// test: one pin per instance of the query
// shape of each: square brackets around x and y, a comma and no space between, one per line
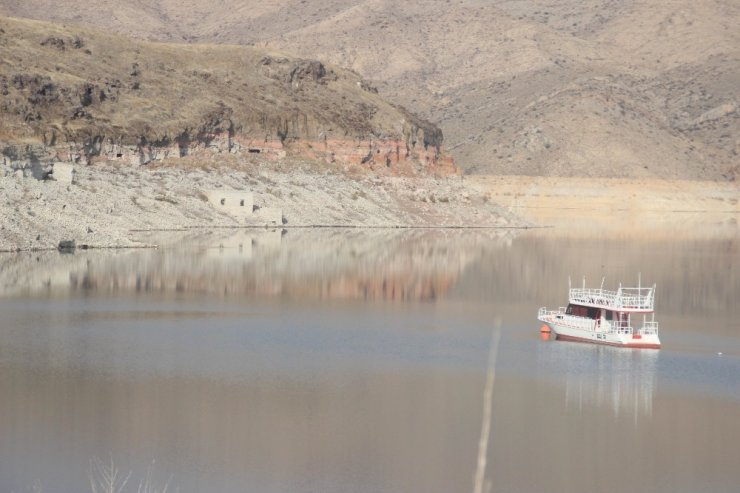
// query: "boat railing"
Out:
[544,312]
[622,299]
[620,327]
[650,327]
[559,316]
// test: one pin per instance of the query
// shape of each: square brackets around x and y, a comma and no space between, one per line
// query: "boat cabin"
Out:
[594,313]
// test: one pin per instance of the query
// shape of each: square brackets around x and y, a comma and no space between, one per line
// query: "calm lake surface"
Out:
[366,361]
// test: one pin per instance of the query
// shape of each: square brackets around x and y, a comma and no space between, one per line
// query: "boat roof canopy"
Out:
[636,300]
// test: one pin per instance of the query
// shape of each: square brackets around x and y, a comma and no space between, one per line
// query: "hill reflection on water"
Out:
[343,264]
[693,276]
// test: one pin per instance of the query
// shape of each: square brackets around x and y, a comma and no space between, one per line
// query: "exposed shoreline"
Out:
[584,206]
[109,202]
[272,228]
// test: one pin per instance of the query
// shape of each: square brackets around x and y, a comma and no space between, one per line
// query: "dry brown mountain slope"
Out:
[63,87]
[561,87]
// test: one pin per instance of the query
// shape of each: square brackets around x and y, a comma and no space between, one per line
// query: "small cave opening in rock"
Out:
[254,151]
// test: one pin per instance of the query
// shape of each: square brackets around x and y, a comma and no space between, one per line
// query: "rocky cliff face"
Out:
[80,96]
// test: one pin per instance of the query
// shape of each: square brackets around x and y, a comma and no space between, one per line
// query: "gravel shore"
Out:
[108,201]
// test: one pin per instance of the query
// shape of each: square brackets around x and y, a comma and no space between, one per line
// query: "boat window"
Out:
[582,311]
[609,314]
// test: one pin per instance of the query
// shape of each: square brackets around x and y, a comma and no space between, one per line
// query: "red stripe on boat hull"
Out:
[640,345]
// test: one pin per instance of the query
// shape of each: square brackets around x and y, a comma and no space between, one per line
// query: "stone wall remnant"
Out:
[236,202]
[271,215]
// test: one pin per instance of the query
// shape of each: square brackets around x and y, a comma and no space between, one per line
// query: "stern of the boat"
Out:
[644,338]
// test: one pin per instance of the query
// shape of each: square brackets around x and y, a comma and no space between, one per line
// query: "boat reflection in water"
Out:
[609,377]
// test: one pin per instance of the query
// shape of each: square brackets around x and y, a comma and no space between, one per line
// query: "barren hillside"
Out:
[562,87]
[70,93]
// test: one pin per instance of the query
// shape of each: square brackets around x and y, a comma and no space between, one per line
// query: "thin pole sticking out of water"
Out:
[480,472]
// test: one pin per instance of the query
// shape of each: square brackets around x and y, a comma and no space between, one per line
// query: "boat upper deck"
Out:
[623,299]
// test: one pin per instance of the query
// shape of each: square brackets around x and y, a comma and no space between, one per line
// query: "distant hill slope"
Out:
[556,87]
[96,93]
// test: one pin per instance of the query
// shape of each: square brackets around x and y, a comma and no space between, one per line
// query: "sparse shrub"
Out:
[107,478]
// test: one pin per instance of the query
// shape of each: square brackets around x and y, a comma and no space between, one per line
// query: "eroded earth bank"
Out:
[109,201]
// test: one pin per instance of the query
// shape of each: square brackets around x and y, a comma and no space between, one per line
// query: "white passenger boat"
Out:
[605,317]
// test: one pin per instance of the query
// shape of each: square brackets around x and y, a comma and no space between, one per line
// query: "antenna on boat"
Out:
[569,284]
[602,282]
[584,282]
[639,282]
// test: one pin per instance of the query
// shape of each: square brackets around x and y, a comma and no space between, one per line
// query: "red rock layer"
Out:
[391,156]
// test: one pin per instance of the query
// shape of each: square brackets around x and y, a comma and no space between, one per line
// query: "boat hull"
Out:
[635,341]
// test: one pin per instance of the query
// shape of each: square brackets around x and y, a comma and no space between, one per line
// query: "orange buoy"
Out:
[545,329]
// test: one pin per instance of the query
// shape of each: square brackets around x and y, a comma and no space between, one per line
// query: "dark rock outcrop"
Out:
[148,102]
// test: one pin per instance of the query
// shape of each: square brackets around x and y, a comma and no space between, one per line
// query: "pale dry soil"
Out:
[627,207]
[109,201]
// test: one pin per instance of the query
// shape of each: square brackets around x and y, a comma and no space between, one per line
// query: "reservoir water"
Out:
[366,361]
